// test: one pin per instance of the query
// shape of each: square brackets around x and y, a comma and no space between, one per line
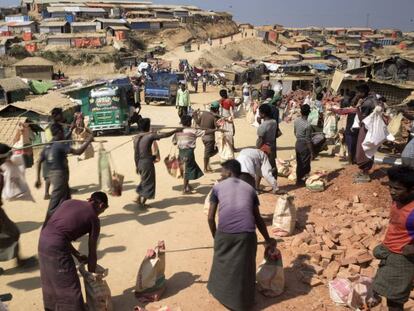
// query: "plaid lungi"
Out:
[395,275]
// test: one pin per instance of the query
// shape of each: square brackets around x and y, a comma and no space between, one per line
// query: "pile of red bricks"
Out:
[342,246]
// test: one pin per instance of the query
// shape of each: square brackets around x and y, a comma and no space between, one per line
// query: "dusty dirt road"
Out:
[178,53]
[128,232]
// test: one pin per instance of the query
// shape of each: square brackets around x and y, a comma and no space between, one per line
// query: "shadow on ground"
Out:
[26,284]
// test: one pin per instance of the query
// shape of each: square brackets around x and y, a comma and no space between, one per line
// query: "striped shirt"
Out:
[303,130]
[187,138]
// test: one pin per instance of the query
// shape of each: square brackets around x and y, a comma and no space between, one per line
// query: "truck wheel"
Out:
[127,130]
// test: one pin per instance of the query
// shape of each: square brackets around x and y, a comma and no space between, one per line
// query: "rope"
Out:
[59,141]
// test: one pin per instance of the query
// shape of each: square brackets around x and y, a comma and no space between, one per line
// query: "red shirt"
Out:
[227,103]
[400,230]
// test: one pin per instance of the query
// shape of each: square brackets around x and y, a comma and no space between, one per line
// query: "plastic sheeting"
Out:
[40,87]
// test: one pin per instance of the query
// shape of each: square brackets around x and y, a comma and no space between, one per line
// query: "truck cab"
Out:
[108,109]
[161,87]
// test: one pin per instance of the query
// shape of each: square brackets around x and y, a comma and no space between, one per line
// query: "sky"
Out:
[300,13]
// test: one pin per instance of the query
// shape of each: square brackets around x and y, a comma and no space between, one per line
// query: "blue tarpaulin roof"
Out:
[321,67]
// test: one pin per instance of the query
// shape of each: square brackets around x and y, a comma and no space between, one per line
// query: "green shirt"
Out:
[183,98]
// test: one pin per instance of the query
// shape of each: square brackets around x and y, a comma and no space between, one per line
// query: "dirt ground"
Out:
[179,220]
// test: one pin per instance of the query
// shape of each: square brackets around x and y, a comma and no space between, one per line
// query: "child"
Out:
[395,274]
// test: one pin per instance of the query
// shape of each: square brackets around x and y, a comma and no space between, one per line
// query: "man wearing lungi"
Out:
[395,274]
[57,161]
[303,146]
[60,282]
[233,273]
[208,120]
[366,104]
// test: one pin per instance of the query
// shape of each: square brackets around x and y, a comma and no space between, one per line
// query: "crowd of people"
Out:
[234,197]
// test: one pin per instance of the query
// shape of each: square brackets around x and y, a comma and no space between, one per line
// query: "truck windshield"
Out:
[161,80]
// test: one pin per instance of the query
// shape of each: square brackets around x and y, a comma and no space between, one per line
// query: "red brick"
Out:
[348,261]
[354,269]
[326,255]
[316,258]
[325,263]
[369,272]
[310,228]
[314,248]
[356,199]
[328,241]
[355,238]
[364,258]
[332,270]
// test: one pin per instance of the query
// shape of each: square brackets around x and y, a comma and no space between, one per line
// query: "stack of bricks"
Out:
[343,246]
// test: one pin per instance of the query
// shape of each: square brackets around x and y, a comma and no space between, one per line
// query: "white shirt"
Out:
[256,163]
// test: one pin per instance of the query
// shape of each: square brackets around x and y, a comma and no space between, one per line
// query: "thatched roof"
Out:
[13,84]
[8,129]
[43,105]
[34,61]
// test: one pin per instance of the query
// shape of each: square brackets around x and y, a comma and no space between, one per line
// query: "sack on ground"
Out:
[117,184]
[270,276]
[292,175]
[151,281]
[284,216]
[317,182]
[98,294]
[283,168]
[357,295]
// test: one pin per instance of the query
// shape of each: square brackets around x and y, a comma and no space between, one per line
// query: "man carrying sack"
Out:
[60,282]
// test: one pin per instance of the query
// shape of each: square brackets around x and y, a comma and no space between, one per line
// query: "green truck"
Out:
[109,110]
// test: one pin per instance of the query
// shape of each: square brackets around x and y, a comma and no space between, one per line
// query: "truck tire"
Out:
[127,129]
[171,101]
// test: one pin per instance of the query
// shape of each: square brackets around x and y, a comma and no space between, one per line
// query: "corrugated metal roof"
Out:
[76,35]
[13,84]
[80,24]
[124,28]
[20,24]
[111,21]
[53,24]
[152,20]
[75,9]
